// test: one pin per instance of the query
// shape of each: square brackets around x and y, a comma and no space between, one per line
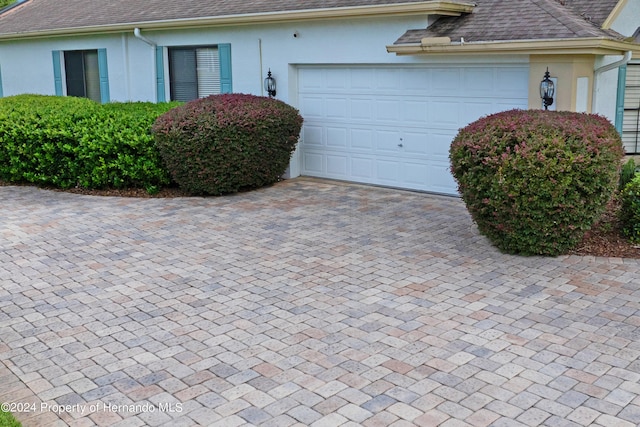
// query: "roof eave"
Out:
[592,46]
[445,8]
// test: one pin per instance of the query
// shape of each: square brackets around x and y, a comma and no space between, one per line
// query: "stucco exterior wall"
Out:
[574,74]
[27,65]
[627,18]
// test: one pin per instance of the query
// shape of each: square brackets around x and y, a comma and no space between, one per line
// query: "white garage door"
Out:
[393,126]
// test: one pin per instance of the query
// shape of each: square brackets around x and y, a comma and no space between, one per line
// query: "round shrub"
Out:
[630,210]
[227,143]
[535,181]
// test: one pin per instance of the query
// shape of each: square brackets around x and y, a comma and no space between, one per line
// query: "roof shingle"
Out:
[44,15]
[502,20]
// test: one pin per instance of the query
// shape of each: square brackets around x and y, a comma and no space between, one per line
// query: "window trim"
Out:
[163,79]
[59,73]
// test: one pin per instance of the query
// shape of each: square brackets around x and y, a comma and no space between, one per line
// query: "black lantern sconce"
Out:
[546,90]
[270,85]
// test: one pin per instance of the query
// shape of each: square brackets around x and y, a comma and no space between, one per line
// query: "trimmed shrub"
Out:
[117,149]
[38,138]
[627,173]
[630,210]
[227,143]
[68,141]
[535,181]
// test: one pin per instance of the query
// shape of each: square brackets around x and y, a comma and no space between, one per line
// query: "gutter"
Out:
[625,59]
[593,46]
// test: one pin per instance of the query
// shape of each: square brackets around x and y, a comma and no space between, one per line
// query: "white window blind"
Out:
[208,71]
[631,119]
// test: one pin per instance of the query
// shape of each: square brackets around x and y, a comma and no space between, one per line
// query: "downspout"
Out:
[138,34]
[625,59]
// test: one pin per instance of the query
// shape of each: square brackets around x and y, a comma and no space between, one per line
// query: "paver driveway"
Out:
[308,303]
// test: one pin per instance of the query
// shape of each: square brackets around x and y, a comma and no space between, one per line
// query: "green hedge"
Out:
[227,143]
[535,181]
[68,141]
[630,210]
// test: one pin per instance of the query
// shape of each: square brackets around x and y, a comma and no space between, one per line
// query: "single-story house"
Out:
[383,85]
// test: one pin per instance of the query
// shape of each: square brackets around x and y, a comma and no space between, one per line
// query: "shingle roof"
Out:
[43,15]
[594,11]
[502,20]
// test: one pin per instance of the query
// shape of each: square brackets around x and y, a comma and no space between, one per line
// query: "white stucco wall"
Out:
[606,88]
[628,20]
[27,65]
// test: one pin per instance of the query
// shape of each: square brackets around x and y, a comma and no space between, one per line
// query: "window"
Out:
[631,118]
[81,73]
[195,71]
[82,76]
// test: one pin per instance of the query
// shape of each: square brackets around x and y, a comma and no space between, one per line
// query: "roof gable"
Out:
[506,20]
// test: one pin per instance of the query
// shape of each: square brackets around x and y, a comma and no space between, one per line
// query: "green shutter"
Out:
[160,92]
[224,50]
[104,76]
[622,83]
[57,72]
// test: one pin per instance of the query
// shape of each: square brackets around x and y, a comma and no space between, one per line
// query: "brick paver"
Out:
[306,303]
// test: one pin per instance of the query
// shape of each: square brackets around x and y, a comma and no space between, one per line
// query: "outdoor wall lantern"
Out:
[270,84]
[546,90]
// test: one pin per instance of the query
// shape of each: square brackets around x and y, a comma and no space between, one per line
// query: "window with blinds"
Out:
[631,119]
[194,72]
[82,74]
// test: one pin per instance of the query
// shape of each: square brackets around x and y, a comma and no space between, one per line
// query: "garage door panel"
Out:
[416,82]
[511,84]
[337,165]
[415,143]
[388,79]
[361,109]
[387,171]
[312,163]
[336,79]
[445,81]
[312,78]
[415,112]
[362,78]
[312,135]
[388,110]
[387,141]
[416,174]
[313,106]
[337,137]
[362,139]
[472,111]
[479,82]
[440,179]
[438,145]
[336,108]
[444,114]
[393,126]
[362,168]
